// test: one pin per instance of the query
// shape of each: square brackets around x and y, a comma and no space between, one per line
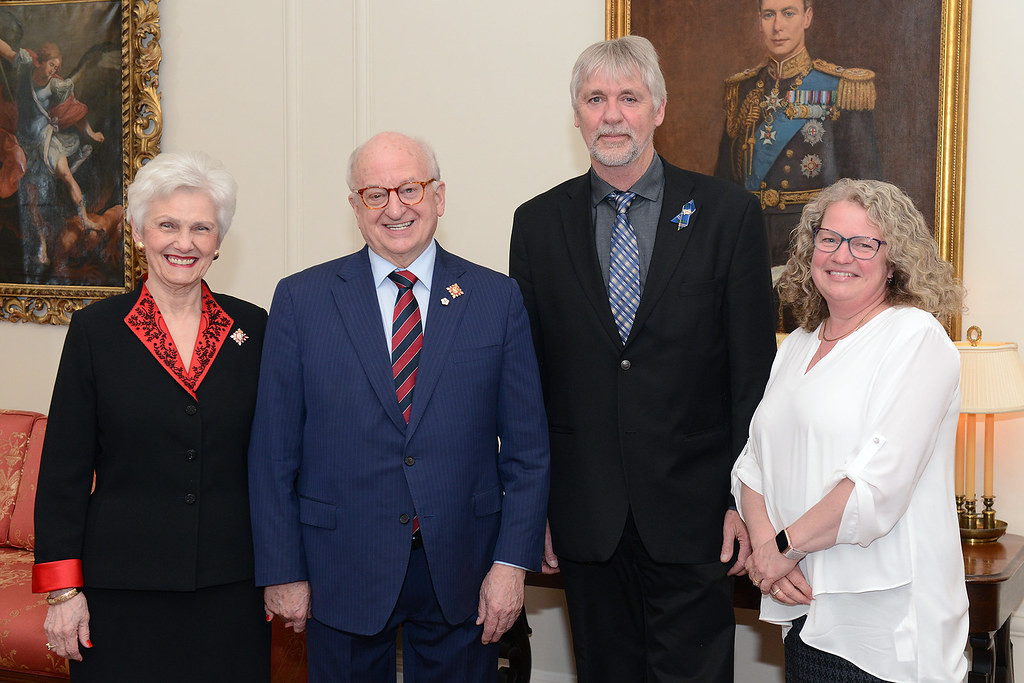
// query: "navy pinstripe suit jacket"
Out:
[335,472]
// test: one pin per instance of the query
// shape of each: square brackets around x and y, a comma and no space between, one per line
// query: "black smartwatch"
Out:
[786,548]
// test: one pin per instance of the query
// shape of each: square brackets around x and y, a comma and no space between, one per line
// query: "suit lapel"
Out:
[356,297]
[578,228]
[442,324]
[669,242]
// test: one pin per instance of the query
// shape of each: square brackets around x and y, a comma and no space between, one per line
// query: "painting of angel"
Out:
[61,210]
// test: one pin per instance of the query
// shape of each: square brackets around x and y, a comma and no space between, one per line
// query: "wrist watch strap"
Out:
[786,548]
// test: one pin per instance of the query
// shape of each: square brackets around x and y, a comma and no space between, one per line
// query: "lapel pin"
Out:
[455,290]
[444,301]
[239,337]
[683,219]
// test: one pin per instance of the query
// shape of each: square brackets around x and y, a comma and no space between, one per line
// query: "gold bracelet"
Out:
[63,597]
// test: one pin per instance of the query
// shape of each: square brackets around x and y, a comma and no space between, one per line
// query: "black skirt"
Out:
[216,635]
[806,664]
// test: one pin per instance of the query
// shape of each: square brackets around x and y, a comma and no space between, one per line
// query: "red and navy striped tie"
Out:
[406,340]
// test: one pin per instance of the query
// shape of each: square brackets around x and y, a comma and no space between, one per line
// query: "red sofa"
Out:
[23,653]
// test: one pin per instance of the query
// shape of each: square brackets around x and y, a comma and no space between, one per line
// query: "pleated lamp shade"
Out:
[991,378]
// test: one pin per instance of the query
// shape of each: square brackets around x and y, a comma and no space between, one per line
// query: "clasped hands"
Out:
[778,576]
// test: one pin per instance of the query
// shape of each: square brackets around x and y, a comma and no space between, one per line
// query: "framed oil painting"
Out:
[79,113]
[891,102]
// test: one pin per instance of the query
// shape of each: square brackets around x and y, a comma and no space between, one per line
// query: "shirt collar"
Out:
[650,186]
[422,267]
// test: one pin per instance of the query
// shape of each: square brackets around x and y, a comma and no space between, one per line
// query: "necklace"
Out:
[862,321]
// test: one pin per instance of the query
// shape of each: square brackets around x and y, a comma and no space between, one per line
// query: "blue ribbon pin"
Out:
[683,219]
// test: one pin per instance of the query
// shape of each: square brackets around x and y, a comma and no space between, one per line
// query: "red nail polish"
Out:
[88,643]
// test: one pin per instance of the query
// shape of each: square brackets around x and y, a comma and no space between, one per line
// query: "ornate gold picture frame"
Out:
[79,114]
[917,49]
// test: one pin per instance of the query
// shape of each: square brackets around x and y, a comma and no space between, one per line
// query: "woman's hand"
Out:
[792,589]
[778,576]
[67,625]
[766,565]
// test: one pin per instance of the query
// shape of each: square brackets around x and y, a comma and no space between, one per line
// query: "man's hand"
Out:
[501,599]
[550,563]
[733,529]
[290,601]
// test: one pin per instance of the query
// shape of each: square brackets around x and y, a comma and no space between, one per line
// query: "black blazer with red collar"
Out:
[170,509]
[653,425]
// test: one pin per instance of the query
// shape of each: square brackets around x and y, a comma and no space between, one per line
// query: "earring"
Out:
[888,280]
[140,247]
[216,254]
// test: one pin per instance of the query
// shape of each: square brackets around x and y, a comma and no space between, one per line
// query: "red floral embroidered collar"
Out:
[148,325]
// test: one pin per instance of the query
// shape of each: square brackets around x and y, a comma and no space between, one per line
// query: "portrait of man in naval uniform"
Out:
[795,124]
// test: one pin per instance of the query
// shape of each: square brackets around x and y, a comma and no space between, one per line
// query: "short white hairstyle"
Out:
[168,172]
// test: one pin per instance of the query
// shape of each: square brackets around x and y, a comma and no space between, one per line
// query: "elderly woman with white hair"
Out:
[143,540]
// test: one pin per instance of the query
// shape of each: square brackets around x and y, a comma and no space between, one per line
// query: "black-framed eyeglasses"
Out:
[863,248]
[410,194]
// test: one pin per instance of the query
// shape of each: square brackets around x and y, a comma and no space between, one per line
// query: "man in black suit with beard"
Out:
[649,295]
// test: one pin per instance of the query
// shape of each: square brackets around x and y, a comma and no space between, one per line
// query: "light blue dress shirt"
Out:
[387,291]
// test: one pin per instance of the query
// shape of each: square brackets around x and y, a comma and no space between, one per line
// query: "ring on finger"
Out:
[51,647]
[756,582]
[775,591]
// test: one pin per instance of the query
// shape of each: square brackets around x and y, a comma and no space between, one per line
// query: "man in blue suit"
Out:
[399,457]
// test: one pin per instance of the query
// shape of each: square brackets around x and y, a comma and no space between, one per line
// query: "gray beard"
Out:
[619,157]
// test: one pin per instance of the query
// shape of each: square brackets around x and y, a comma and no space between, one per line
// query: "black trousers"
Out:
[635,620]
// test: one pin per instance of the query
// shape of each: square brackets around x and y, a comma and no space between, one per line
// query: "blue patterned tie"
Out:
[624,266]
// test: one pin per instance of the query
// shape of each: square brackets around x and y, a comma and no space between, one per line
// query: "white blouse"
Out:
[880,410]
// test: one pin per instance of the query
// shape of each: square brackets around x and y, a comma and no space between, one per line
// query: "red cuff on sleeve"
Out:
[50,576]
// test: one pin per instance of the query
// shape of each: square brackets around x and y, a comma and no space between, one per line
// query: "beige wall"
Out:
[282,90]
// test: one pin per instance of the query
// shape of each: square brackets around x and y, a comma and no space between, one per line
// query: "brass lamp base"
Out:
[978,532]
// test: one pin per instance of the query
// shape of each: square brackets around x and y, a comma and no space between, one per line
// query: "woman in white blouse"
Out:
[846,481]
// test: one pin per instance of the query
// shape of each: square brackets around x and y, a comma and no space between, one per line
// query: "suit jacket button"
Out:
[190,454]
[409,460]
[625,365]
[191,410]
[190,498]
[404,518]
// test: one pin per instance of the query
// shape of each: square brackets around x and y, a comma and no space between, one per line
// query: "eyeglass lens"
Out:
[408,194]
[861,247]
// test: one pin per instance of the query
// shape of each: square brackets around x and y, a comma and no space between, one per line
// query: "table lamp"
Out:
[991,381]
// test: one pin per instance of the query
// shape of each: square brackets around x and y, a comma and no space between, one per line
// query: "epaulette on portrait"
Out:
[856,90]
[732,91]
[745,74]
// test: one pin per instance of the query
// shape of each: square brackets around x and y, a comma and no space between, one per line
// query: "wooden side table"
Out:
[995,588]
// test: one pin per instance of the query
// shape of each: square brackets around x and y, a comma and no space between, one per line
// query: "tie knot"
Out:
[621,200]
[403,278]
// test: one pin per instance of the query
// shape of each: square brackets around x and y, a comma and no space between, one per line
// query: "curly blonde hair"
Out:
[920,278]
